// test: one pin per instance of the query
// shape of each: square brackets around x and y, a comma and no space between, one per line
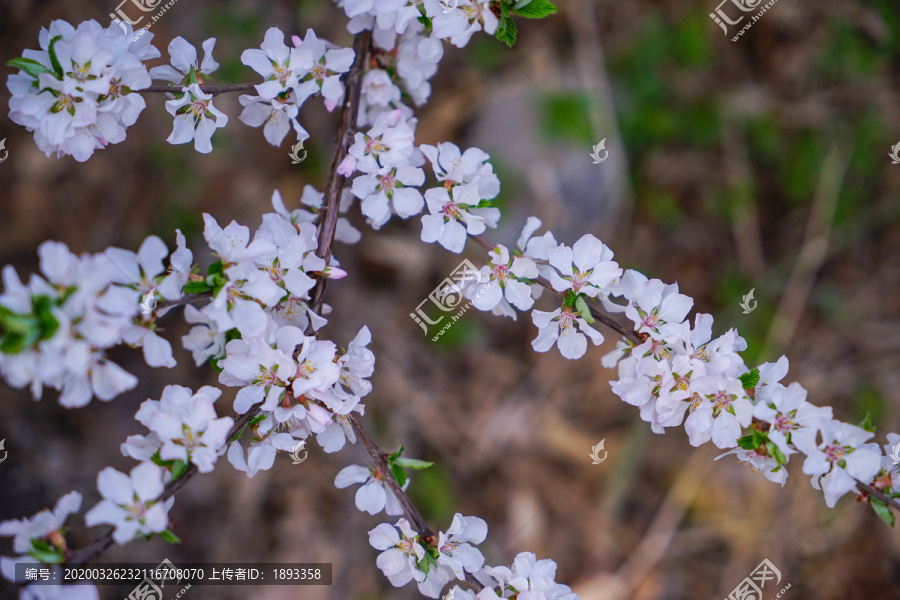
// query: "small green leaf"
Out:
[776,453]
[394,455]
[257,419]
[867,423]
[30,66]
[169,536]
[196,287]
[759,438]
[536,9]
[46,553]
[399,474]
[178,468]
[749,380]
[506,31]
[413,463]
[214,268]
[582,308]
[882,510]
[57,68]
[746,443]
[159,461]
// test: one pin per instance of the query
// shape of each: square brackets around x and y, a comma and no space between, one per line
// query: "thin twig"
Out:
[208,89]
[93,550]
[328,216]
[630,334]
[868,489]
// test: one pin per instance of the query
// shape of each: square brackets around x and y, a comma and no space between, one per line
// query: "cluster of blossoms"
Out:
[405,556]
[77,92]
[258,328]
[292,74]
[58,325]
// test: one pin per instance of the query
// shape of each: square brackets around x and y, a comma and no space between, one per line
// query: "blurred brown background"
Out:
[757,164]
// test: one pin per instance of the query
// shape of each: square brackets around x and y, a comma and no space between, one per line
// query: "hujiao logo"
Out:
[722,18]
[142,5]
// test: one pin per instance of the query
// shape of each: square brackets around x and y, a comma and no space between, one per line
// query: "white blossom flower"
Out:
[196,119]
[316,369]
[502,279]
[187,426]
[455,548]
[453,217]
[401,552]
[281,67]
[559,328]
[183,57]
[471,166]
[328,65]
[459,24]
[792,419]
[654,307]
[585,268]
[40,525]
[204,341]
[840,459]
[529,577]
[719,409]
[374,495]
[263,371]
[390,191]
[357,364]
[130,502]
[389,143]
[265,442]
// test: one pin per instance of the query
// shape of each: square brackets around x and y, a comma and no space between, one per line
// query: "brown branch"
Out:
[868,489]
[378,457]
[209,89]
[328,216]
[630,334]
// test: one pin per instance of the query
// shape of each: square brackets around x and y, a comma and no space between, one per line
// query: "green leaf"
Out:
[536,9]
[170,537]
[776,453]
[57,68]
[257,419]
[413,463]
[749,380]
[46,319]
[867,423]
[214,268]
[746,443]
[178,468]
[196,287]
[394,455]
[506,31]
[30,66]
[46,553]
[882,510]
[19,341]
[399,474]
[582,308]
[759,438]
[159,461]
